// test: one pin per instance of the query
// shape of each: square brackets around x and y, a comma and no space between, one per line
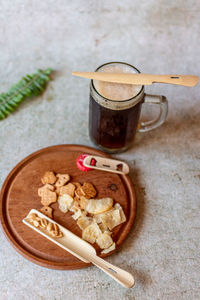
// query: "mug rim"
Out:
[117,101]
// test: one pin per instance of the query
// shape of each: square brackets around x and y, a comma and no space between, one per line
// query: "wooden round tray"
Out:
[19,195]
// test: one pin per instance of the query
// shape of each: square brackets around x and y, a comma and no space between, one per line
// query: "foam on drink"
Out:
[116,91]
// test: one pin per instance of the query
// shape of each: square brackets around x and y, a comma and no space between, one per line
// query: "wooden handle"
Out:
[185,80]
[106,164]
[140,79]
[121,276]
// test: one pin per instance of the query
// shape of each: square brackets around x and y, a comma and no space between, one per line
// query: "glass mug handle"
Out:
[162,102]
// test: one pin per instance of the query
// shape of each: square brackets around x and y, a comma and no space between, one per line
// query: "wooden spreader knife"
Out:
[140,79]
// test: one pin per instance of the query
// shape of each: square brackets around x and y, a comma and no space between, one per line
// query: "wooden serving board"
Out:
[19,195]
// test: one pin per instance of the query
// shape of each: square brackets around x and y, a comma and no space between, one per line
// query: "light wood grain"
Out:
[140,79]
[106,164]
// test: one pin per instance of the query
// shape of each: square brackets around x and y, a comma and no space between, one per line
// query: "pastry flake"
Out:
[111,248]
[84,222]
[104,240]
[65,202]
[91,232]
[98,206]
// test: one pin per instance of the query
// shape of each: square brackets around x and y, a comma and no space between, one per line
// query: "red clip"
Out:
[79,162]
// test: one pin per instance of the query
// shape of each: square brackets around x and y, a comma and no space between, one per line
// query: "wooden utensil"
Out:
[140,79]
[106,164]
[81,249]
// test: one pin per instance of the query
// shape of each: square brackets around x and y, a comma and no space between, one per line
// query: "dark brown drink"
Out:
[114,110]
[113,129]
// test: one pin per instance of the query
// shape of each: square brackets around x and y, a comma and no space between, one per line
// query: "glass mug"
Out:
[114,112]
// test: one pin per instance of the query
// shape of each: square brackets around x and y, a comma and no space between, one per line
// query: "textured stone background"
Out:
[162,250]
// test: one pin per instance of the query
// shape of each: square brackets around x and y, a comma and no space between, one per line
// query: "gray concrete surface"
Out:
[162,250]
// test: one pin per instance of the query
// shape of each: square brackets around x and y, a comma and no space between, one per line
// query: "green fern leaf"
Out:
[28,86]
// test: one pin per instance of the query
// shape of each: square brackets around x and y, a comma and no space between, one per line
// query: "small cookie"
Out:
[79,193]
[46,186]
[62,179]
[88,190]
[36,223]
[34,219]
[54,230]
[48,197]
[43,223]
[77,184]
[47,211]
[50,227]
[76,199]
[68,189]
[48,177]
[32,216]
